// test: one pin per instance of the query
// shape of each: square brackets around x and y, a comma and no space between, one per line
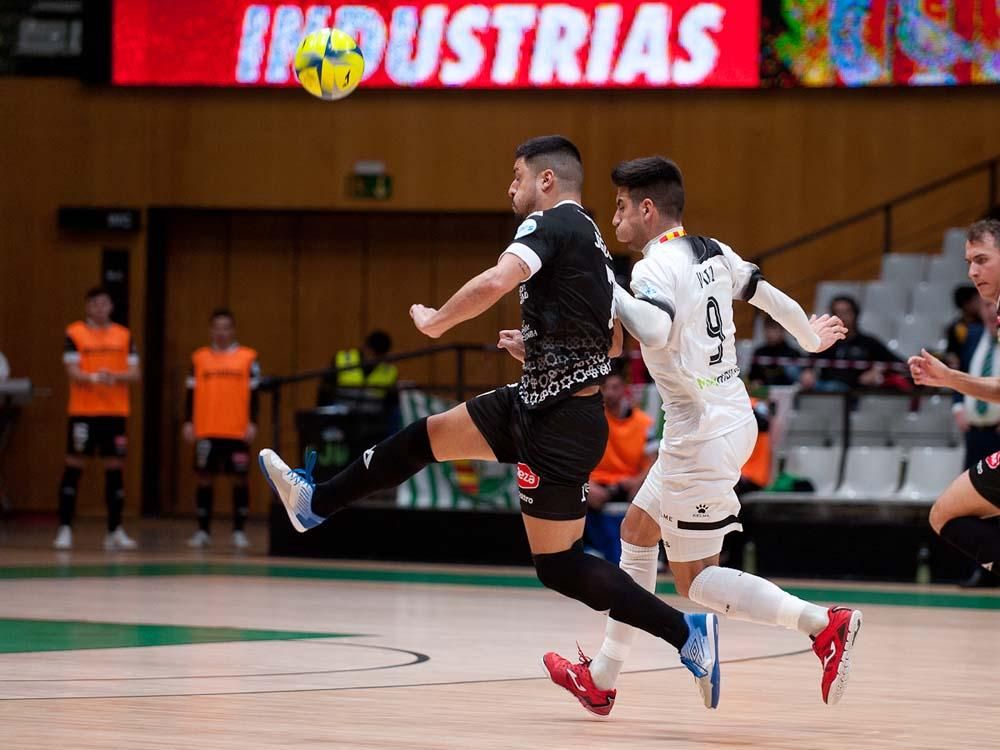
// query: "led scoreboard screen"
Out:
[452,44]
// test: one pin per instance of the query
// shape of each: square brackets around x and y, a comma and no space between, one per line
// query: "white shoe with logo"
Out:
[200,539]
[64,538]
[240,540]
[119,540]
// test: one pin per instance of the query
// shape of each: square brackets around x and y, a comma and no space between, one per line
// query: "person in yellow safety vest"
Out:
[375,382]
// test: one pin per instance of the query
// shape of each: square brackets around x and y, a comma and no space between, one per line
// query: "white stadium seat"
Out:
[948,268]
[827,290]
[885,298]
[954,243]
[819,465]
[871,472]
[929,471]
[904,268]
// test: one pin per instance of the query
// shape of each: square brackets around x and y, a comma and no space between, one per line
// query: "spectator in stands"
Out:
[866,355]
[764,369]
[4,368]
[964,332]
[221,422]
[371,381]
[630,453]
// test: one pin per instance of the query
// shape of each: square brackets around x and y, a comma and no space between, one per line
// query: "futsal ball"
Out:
[329,64]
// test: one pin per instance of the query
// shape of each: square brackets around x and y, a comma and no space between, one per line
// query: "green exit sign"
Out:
[370,186]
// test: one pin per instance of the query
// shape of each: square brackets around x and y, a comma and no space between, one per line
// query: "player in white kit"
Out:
[682,314]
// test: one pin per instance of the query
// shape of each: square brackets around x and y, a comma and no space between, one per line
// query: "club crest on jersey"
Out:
[526,478]
[993,461]
[527,227]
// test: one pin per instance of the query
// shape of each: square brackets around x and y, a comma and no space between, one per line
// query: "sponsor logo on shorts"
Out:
[526,478]
[700,511]
[979,467]
[526,499]
[993,461]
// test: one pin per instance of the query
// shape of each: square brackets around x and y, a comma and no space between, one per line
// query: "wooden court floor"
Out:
[171,649]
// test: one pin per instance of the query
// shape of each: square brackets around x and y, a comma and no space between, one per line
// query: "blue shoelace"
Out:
[305,475]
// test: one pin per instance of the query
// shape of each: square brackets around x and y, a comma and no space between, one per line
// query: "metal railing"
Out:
[274,384]
[886,209]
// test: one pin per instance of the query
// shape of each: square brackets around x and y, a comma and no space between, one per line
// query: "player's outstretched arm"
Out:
[928,370]
[646,321]
[813,335]
[476,297]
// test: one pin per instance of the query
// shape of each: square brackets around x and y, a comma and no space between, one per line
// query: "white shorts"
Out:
[690,491]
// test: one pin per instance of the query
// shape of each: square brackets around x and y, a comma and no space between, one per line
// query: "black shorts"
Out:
[96,436]
[221,456]
[985,477]
[555,448]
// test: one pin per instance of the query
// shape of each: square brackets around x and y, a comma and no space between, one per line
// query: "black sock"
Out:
[67,495]
[387,465]
[606,587]
[241,506]
[977,538]
[114,497]
[203,507]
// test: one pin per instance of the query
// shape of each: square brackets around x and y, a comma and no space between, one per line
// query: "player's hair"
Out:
[556,153]
[96,291]
[963,294]
[653,177]
[850,301]
[987,228]
[379,342]
[222,312]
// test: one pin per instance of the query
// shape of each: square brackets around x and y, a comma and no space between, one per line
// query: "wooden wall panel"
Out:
[761,167]
[197,282]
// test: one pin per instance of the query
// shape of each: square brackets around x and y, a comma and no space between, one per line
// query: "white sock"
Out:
[640,564]
[743,596]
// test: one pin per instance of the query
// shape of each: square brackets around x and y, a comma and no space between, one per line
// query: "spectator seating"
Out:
[929,471]
[871,472]
[820,465]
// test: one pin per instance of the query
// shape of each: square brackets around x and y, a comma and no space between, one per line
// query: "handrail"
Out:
[275,383]
[885,208]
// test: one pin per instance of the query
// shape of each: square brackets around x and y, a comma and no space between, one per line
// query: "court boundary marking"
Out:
[845,595]
[766,657]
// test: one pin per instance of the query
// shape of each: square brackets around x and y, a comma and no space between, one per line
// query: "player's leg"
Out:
[112,446]
[959,515]
[78,446]
[640,535]
[442,437]
[237,465]
[205,460]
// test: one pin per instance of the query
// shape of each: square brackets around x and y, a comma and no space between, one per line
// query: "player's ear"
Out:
[646,208]
[548,178]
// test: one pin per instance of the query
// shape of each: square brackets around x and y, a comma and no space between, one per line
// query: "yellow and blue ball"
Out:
[329,64]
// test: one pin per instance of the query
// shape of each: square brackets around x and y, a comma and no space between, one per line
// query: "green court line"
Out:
[503,580]
[19,636]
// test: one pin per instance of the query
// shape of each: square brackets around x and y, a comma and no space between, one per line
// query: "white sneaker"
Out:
[119,540]
[240,540]
[294,487]
[200,539]
[64,539]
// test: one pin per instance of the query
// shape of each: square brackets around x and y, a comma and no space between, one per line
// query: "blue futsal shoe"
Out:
[701,655]
[294,487]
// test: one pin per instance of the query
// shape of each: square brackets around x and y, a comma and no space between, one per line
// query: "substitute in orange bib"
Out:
[101,361]
[221,422]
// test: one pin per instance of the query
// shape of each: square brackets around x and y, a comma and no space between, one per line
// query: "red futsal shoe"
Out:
[833,647]
[577,680]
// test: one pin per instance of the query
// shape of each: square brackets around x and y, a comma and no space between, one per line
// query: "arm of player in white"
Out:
[789,315]
[645,320]
[474,298]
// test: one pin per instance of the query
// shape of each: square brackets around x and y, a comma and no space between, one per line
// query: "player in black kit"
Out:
[551,424]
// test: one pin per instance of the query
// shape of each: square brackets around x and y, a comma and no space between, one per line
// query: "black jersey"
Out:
[566,305]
